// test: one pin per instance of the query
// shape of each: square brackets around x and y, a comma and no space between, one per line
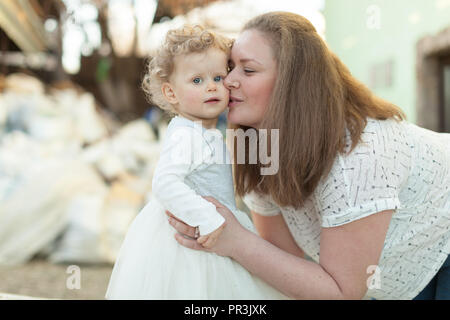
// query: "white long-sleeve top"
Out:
[194,162]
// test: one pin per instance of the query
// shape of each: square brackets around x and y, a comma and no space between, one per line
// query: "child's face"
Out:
[197,86]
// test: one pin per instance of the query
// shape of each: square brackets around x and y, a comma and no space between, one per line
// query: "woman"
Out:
[362,192]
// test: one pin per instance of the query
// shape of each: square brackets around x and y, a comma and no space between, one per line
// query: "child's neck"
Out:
[206,123]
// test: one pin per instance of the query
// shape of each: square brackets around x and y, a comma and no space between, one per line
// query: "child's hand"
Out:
[209,240]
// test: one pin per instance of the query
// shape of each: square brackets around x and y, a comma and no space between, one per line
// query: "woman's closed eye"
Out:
[246,70]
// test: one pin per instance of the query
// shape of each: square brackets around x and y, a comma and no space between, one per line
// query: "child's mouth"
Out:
[212,100]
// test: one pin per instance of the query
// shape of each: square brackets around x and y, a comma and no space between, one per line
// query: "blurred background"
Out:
[79,141]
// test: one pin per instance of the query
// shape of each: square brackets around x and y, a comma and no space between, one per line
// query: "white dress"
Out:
[151,264]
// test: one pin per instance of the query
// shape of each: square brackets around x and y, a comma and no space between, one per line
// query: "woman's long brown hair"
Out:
[314,101]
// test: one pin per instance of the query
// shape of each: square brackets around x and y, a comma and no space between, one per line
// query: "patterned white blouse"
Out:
[398,166]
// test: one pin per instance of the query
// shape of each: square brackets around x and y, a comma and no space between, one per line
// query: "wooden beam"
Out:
[22,26]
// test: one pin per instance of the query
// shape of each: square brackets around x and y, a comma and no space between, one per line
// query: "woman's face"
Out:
[251,79]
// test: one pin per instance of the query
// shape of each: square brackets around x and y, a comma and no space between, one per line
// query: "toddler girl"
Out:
[186,78]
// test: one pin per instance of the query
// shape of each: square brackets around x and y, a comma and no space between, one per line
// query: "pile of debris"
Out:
[71,177]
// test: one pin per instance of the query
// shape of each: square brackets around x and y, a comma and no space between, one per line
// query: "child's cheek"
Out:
[226,93]
[191,97]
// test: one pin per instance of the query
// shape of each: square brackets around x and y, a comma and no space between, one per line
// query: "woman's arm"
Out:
[345,254]
[275,230]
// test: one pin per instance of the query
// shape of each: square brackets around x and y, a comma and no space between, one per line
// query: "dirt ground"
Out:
[40,278]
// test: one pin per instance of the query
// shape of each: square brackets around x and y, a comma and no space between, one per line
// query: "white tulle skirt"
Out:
[152,265]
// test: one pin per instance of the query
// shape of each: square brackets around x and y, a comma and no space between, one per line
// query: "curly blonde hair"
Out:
[184,40]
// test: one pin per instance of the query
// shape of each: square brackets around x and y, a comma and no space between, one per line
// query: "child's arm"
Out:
[179,152]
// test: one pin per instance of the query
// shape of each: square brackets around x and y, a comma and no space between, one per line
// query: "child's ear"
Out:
[168,93]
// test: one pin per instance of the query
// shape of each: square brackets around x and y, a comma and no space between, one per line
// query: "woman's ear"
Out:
[168,93]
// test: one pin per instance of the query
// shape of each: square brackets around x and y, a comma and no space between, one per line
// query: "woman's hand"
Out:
[225,243]
[209,240]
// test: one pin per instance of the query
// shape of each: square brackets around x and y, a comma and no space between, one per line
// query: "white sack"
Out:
[35,214]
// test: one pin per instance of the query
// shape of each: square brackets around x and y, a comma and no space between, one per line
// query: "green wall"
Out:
[367,33]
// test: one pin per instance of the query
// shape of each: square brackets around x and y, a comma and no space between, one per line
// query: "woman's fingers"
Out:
[223,245]
[180,226]
[209,243]
[170,215]
[189,243]
[214,201]
[202,239]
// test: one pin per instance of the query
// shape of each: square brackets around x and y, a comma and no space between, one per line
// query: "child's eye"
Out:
[218,78]
[197,80]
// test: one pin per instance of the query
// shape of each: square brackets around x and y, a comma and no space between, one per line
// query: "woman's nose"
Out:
[230,82]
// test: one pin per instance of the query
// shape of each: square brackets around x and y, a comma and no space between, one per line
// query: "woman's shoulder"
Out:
[379,135]
[384,127]
[384,151]
[367,179]
[399,139]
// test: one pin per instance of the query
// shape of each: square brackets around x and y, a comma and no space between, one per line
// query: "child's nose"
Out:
[212,86]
